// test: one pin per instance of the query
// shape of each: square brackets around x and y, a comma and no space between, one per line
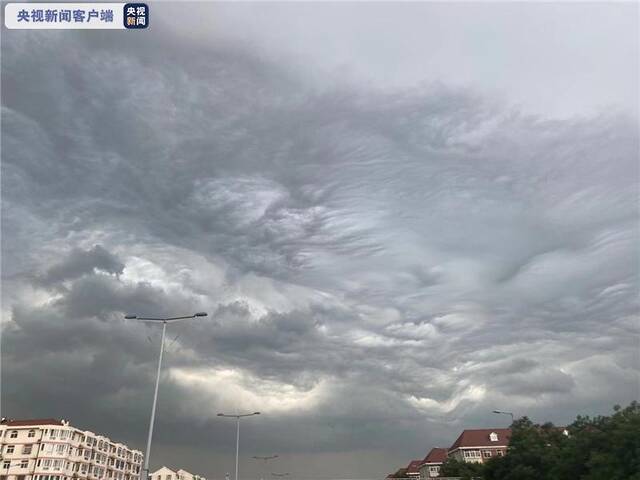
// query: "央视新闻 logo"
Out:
[136,15]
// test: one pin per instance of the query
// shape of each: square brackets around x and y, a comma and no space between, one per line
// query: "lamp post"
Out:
[144,473]
[238,417]
[504,413]
[266,459]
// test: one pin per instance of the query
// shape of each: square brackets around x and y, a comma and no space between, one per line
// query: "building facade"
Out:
[472,446]
[430,466]
[165,473]
[51,449]
[413,469]
[478,446]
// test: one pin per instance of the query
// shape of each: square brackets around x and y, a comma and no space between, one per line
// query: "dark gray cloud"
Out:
[81,262]
[382,267]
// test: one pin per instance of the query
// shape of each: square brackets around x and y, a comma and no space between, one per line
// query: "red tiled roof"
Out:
[401,473]
[436,455]
[414,467]
[27,423]
[480,438]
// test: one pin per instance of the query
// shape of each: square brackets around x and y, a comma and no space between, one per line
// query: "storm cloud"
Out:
[382,267]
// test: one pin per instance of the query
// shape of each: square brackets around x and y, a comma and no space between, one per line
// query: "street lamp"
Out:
[238,417]
[504,413]
[164,322]
[266,459]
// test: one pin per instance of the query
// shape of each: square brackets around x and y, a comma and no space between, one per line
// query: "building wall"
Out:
[63,452]
[429,471]
[477,454]
[165,473]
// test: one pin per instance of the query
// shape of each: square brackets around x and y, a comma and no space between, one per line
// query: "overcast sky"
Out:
[399,218]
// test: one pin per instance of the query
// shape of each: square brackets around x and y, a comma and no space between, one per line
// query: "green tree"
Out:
[467,471]
[604,447]
[532,454]
[596,449]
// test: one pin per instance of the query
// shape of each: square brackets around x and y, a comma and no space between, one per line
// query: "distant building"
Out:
[165,473]
[51,449]
[410,472]
[477,446]
[400,473]
[430,465]
[413,469]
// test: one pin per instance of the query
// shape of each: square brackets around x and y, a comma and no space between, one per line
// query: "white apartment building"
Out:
[50,449]
[166,473]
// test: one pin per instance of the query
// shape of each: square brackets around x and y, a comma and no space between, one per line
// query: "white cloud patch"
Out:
[236,391]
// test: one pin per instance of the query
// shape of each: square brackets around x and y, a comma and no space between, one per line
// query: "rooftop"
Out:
[27,423]
[414,467]
[482,438]
[436,455]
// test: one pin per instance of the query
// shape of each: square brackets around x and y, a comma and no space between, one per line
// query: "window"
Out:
[471,454]
[32,433]
[493,436]
[13,434]
[27,449]
[500,453]
[486,453]
[11,448]
[6,464]
[20,477]
[24,463]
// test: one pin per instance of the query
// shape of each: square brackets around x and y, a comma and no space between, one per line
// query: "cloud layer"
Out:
[380,268]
